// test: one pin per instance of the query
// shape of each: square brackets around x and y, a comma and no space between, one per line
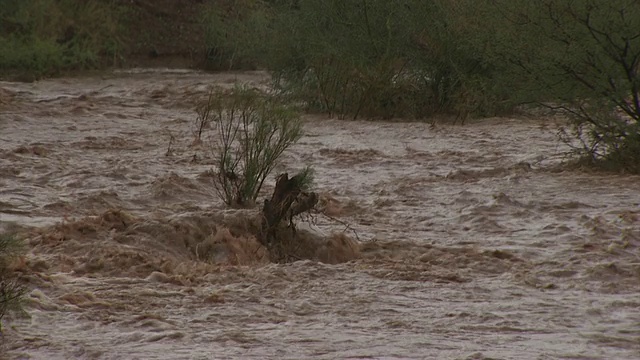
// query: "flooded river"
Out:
[474,241]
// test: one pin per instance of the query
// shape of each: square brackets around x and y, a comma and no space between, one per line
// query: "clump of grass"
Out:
[11,289]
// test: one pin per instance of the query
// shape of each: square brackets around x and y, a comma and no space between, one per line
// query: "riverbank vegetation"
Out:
[372,59]
[45,37]
[11,289]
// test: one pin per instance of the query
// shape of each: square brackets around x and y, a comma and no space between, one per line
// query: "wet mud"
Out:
[453,242]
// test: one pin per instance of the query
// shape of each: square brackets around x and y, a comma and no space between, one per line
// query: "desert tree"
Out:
[251,131]
[581,57]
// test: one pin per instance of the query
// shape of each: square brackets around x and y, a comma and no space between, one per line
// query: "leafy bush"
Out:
[47,36]
[251,132]
[374,58]
[234,33]
[344,58]
[369,58]
[582,57]
[11,290]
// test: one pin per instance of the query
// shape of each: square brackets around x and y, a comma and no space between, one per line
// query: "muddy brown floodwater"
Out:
[474,242]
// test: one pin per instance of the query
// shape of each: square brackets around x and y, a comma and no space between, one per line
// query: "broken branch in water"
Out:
[346,225]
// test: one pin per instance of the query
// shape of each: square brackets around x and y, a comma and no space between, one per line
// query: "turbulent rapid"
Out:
[473,242]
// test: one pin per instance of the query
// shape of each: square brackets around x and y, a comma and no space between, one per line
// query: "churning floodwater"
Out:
[474,242]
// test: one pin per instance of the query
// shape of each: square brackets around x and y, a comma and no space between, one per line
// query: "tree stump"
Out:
[287,201]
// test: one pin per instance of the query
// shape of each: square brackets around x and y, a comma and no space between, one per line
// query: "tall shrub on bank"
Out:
[368,58]
[583,58]
[346,58]
[235,33]
[46,36]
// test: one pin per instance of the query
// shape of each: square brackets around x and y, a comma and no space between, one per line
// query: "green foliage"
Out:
[47,36]
[369,58]
[305,178]
[11,290]
[385,59]
[348,58]
[582,57]
[251,132]
[235,33]
[38,56]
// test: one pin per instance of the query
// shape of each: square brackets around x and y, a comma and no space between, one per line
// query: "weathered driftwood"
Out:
[287,201]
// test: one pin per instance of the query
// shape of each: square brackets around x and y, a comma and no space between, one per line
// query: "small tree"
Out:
[251,133]
[582,57]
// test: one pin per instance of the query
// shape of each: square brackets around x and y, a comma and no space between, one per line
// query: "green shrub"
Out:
[37,55]
[368,58]
[251,132]
[365,58]
[11,290]
[47,36]
[235,33]
[343,58]
[582,57]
